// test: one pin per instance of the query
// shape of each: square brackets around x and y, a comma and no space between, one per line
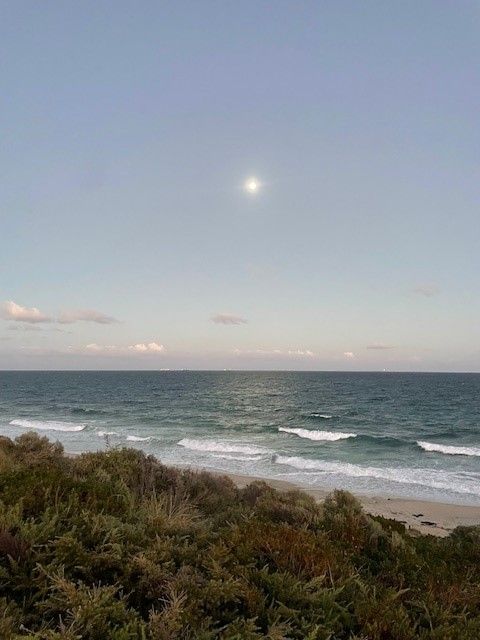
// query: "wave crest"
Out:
[139,438]
[328,436]
[47,425]
[220,447]
[449,449]
[424,477]
[231,456]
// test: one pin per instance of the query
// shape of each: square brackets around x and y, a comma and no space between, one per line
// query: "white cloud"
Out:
[154,346]
[301,352]
[151,347]
[96,348]
[85,315]
[380,347]
[427,290]
[349,354]
[227,318]
[10,310]
[139,348]
[306,353]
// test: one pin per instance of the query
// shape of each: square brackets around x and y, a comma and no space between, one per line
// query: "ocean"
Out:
[392,434]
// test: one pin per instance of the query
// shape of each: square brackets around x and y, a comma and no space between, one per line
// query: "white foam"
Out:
[318,435]
[228,456]
[449,449]
[47,425]
[220,447]
[325,416]
[102,434]
[139,438]
[460,483]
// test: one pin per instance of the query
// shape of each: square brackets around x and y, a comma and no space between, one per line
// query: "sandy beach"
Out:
[433,518]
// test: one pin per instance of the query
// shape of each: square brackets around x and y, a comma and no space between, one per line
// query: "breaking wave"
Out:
[220,447]
[329,436]
[139,438]
[47,425]
[449,449]
[459,483]
[242,458]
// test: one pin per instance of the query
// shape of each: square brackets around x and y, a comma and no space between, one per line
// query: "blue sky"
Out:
[129,129]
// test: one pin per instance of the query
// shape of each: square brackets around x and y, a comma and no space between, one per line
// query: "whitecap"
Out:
[449,449]
[139,438]
[459,483]
[220,447]
[102,434]
[47,425]
[324,416]
[242,458]
[318,435]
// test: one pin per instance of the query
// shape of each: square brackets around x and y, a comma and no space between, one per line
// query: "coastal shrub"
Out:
[117,546]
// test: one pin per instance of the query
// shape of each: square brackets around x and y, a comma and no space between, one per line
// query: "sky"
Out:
[129,131]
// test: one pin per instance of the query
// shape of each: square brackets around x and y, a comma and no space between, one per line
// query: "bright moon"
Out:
[252,185]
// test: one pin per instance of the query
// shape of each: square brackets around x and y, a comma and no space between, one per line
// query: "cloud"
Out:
[140,348]
[98,348]
[301,352]
[349,354]
[151,347]
[274,352]
[85,315]
[10,310]
[427,290]
[227,318]
[380,347]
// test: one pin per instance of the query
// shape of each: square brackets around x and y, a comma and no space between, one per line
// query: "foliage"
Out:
[117,546]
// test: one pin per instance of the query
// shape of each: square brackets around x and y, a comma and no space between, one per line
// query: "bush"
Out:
[117,546]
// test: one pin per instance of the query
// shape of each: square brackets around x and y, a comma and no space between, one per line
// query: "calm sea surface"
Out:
[415,435]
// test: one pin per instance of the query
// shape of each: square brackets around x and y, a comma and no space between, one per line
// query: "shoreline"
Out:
[422,516]
[434,518]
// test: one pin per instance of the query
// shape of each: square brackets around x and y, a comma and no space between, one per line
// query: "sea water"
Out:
[395,434]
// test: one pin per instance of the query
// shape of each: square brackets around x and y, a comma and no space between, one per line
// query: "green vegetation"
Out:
[116,546]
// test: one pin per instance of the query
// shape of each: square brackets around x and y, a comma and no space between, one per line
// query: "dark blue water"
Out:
[415,435]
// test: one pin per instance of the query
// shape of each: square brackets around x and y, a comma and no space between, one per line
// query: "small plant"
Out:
[106,440]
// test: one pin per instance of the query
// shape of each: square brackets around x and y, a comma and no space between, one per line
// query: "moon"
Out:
[252,185]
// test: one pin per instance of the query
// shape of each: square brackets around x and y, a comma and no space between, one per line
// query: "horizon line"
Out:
[231,370]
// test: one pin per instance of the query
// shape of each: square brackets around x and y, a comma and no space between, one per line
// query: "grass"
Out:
[116,546]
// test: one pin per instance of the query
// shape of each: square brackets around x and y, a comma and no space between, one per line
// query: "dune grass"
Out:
[116,546]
